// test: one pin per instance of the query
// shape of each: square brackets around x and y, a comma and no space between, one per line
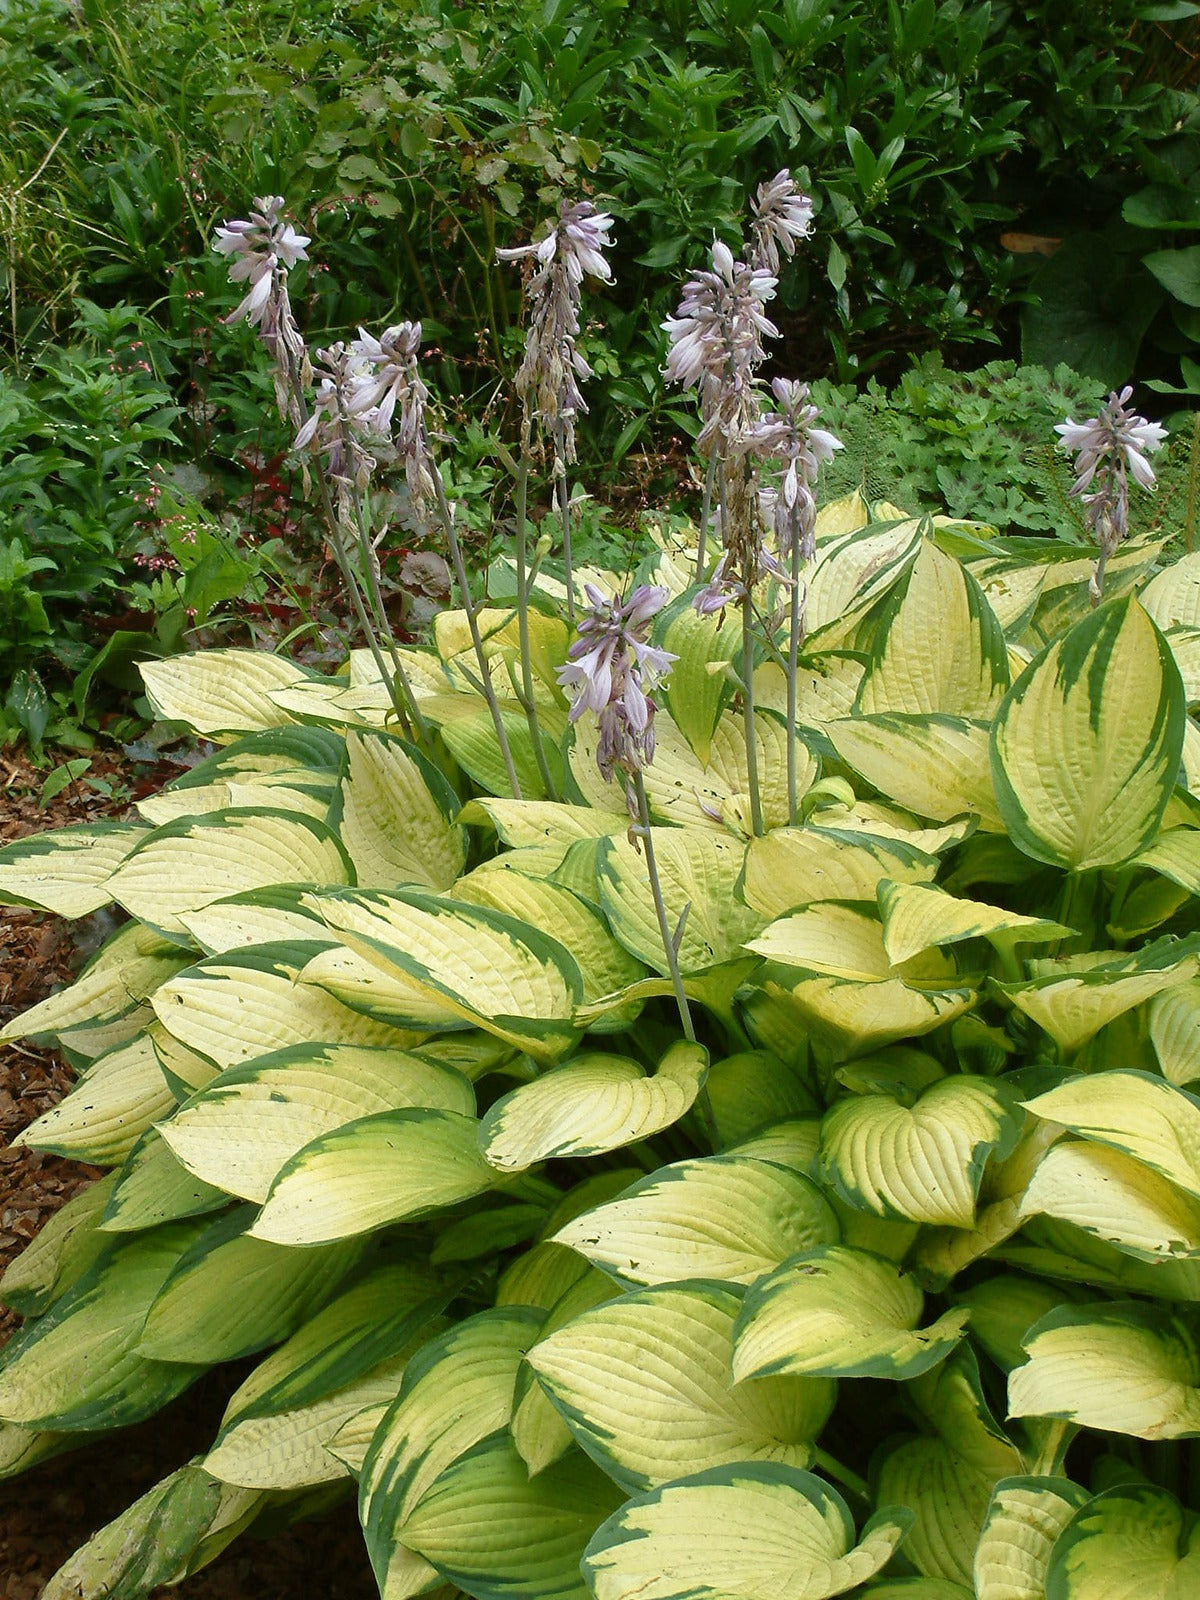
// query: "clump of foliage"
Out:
[980,445]
[775,1178]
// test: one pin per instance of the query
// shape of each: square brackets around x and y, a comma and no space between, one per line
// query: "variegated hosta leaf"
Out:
[152,1187]
[826,687]
[241,1130]
[349,1355]
[1086,747]
[1134,1540]
[724,1217]
[1073,1007]
[221,693]
[78,1366]
[946,1477]
[754,1090]
[1174,1018]
[1133,1112]
[695,696]
[939,647]
[66,871]
[1004,1307]
[287,768]
[541,1276]
[395,816]
[923,1163]
[1175,854]
[1121,1366]
[852,571]
[936,766]
[63,1248]
[843,941]
[235,1007]
[126,971]
[851,1016]
[260,916]
[104,1116]
[715,794]
[593,1104]
[489,1527]
[1023,1522]
[522,824]
[468,732]
[837,1312]
[699,872]
[538,1430]
[792,867]
[151,1543]
[1110,1195]
[1172,597]
[917,917]
[457,1391]
[381,1169]
[739,1533]
[385,994]
[604,965]
[230,1295]
[644,1383]
[190,863]
[491,970]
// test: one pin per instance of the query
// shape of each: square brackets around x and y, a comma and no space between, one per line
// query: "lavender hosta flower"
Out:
[716,342]
[335,429]
[262,250]
[612,670]
[782,215]
[389,398]
[790,434]
[1108,447]
[550,373]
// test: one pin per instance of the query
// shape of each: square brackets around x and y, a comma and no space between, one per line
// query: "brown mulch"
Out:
[49,1512]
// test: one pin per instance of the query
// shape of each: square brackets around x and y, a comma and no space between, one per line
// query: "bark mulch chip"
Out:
[50,1511]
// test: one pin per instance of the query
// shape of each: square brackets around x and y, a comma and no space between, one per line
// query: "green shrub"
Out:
[886,1285]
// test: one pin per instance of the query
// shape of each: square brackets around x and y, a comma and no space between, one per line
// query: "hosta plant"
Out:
[884,1284]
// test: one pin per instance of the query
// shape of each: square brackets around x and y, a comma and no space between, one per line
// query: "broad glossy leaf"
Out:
[1117,1199]
[104,1116]
[235,1007]
[66,871]
[1072,1008]
[844,941]
[78,1366]
[1174,1018]
[63,1248]
[126,971]
[152,1187]
[838,1312]
[1086,747]
[1134,1540]
[644,1383]
[792,867]
[190,863]
[714,795]
[739,1533]
[492,970]
[939,646]
[456,1392]
[852,1016]
[385,1168]
[698,870]
[917,917]
[936,766]
[852,571]
[752,1091]
[922,1163]
[395,816]
[221,692]
[1122,1366]
[242,1129]
[1133,1112]
[593,1104]
[1023,1522]
[726,1217]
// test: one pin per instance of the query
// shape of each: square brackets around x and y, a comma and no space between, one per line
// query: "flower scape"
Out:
[682,1087]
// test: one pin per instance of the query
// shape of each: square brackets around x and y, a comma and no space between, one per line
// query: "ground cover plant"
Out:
[683,1084]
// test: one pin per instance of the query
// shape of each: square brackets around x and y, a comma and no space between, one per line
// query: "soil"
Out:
[49,1512]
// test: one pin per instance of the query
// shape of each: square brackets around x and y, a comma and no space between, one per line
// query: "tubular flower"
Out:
[789,435]
[716,341]
[612,670]
[335,429]
[262,251]
[1108,448]
[782,215]
[549,375]
[388,398]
